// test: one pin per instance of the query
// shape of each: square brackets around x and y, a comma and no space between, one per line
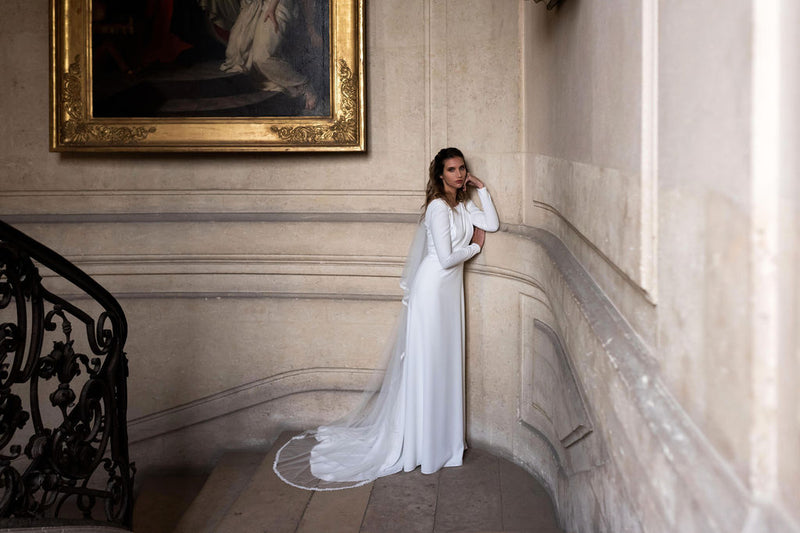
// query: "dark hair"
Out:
[435,188]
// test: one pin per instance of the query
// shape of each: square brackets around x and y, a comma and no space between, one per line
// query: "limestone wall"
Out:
[787,435]
[262,279]
[627,340]
[654,151]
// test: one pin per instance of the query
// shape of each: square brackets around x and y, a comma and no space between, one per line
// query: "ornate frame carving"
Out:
[73,128]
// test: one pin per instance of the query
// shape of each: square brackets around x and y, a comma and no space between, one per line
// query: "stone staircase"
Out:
[242,494]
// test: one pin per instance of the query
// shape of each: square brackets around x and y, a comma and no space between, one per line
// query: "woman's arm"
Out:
[437,217]
[487,218]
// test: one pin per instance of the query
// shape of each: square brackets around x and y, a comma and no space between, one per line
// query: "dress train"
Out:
[415,415]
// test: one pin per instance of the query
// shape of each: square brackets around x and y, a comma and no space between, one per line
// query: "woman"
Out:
[256,41]
[416,418]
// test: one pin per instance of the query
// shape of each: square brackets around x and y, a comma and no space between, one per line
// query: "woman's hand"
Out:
[472,180]
[478,236]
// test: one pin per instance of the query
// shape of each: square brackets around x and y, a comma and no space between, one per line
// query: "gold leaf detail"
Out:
[342,131]
[75,130]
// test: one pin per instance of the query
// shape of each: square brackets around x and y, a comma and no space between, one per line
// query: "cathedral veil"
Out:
[368,442]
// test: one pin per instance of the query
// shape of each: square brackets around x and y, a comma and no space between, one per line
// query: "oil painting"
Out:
[207,75]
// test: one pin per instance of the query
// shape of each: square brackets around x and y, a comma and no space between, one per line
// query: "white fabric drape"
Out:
[416,416]
[254,44]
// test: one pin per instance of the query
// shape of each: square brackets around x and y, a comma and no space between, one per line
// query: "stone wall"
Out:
[631,337]
[262,279]
[656,152]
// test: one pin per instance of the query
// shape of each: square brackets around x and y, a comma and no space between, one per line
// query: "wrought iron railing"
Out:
[63,434]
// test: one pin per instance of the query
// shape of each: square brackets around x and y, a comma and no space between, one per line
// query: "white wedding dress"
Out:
[416,416]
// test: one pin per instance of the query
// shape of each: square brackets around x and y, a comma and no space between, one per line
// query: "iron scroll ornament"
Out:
[63,434]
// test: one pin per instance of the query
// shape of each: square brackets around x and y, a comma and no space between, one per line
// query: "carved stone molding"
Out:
[249,394]
[551,401]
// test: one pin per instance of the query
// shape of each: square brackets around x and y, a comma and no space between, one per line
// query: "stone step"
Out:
[227,481]
[487,494]
[243,495]
[340,511]
[163,498]
[266,503]
[262,502]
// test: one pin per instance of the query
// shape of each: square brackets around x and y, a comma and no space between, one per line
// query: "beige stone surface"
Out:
[220,489]
[336,511]
[407,500]
[602,204]
[583,82]
[255,507]
[163,498]
[525,504]
[480,486]
[668,269]
[788,424]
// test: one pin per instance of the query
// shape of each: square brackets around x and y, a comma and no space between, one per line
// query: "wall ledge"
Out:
[694,464]
[208,216]
[699,473]
[247,395]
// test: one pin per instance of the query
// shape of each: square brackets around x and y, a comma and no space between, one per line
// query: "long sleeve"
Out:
[487,218]
[437,218]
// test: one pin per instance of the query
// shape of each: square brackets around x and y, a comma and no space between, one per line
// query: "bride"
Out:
[416,416]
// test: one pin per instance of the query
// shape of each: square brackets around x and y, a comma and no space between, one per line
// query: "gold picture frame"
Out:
[116,111]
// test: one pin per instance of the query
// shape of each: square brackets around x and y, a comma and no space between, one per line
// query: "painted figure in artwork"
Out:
[256,44]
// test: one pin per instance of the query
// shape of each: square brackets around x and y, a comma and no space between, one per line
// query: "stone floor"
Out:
[242,495]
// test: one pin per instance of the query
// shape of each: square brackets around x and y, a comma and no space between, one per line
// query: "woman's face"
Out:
[454,174]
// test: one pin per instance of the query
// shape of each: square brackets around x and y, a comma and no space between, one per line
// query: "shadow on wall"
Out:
[551,4]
